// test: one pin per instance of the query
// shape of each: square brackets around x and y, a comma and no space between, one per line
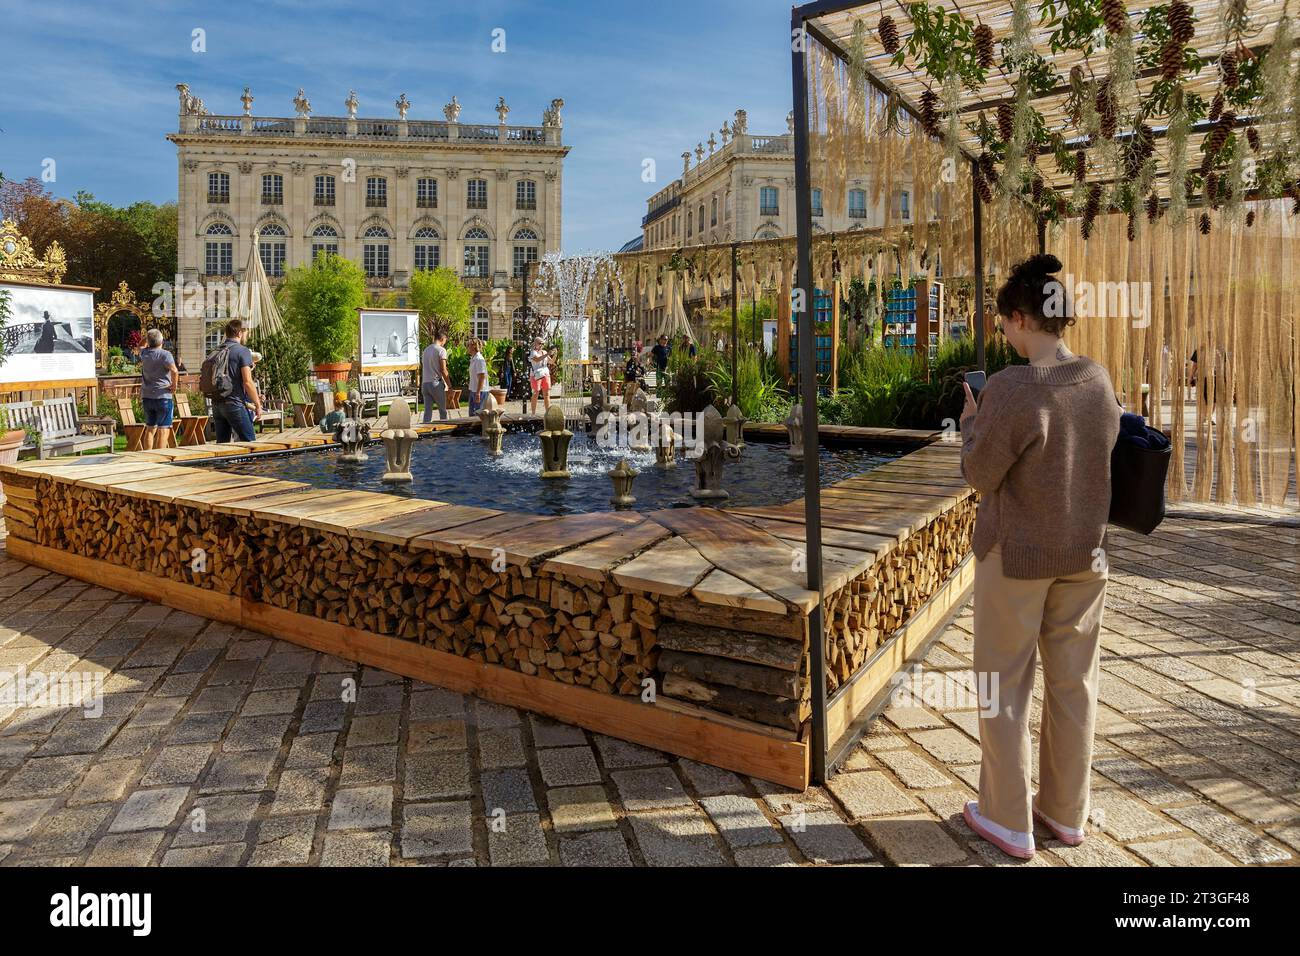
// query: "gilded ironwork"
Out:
[20,263]
[124,300]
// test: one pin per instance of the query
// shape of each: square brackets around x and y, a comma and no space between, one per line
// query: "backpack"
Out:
[214,378]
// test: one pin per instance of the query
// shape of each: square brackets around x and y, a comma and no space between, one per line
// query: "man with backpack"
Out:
[227,379]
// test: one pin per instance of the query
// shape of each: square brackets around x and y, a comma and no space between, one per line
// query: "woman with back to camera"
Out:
[1037,448]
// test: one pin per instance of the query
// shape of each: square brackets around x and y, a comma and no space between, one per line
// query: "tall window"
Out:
[428,249]
[324,240]
[526,194]
[525,250]
[376,191]
[817,209]
[479,327]
[903,204]
[857,204]
[477,253]
[271,247]
[713,212]
[476,194]
[726,212]
[700,221]
[690,218]
[374,252]
[769,201]
[324,191]
[218,187]
[219,251]
[272,189]
[426,193]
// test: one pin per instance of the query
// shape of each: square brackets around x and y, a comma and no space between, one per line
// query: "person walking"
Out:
[434,378]
[235,414]
[506,375]
[659,354]
[478,376]
[158,383]
[1037,448]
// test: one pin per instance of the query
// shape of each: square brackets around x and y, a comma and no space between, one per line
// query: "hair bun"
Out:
[1043,264]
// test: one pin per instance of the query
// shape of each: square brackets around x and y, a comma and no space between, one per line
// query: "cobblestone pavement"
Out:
[218,746]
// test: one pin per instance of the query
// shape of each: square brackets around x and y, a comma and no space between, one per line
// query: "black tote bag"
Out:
[1139,466]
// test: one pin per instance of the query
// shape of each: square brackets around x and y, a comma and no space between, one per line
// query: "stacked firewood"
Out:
[864,613]
[129,532]
[20,511]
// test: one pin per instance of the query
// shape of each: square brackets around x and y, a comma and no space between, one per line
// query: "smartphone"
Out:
[976,381]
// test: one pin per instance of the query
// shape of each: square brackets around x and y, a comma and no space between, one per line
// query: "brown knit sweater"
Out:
[1038,452]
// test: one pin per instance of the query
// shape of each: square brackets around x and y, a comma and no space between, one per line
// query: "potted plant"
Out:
[458,371]
[321,301]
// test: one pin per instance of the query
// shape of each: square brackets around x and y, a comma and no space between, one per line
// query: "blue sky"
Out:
[91,85]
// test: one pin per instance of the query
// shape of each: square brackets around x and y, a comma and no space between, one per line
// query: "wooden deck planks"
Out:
[671,567]
[342,520]
[560,534]
[594,561]
[454,540]
[719,587]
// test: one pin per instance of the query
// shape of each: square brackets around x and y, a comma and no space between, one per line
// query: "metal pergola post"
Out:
[978,266]
[808,390]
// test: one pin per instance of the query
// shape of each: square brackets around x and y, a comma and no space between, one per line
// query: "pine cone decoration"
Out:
[1106,110]
[1252,137]
[1080,165]
[1006,121]
[1153,207]
[1115,16]
[1085,228]
[1212,190]
[1219,135]
[887,30]
[984,46]
[1132,225]
[1179,18]
[1036,189]
[1093,204]
[1205,224]
[987,167]
[982,187]
[1250,218]
[1228,67]
[1216,108]
[1062,207]
[930,111]
[1171,59]
[1207,161]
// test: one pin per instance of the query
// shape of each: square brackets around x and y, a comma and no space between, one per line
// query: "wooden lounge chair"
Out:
[133,430]
[190,429]
[304,409]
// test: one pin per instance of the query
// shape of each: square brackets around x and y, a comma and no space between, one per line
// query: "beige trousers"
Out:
[1014,620]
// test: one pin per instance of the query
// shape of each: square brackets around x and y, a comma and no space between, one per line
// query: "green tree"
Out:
[321,301]
[444,304]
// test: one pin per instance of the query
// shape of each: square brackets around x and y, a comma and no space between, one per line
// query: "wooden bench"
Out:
[134,430]
[56,421]
[378,391]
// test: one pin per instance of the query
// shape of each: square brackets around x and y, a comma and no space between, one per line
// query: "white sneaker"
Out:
[1067,835]
[1010,842]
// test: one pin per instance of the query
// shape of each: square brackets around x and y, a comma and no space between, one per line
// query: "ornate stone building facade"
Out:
[741,187]
[394,195]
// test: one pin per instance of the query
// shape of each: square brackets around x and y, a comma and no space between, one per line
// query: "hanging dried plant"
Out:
[1177,138]
[952,117]
[1236,18]
[1204,224]
[1180,19]
[984,53]
[887,30]
[1274,82]
[1115,16]
[1020,44]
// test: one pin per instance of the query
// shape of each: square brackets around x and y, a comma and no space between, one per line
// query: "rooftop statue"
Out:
[301,104]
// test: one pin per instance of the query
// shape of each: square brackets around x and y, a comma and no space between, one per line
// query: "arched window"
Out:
[478,253]
[479,328]
[219,251]
[324,240]
[272,248]
[428,249]
[525,250]
[374,252]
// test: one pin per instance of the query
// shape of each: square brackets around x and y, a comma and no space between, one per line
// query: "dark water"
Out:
[459,470]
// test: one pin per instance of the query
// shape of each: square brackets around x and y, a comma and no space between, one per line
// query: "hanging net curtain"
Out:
[1161,156]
